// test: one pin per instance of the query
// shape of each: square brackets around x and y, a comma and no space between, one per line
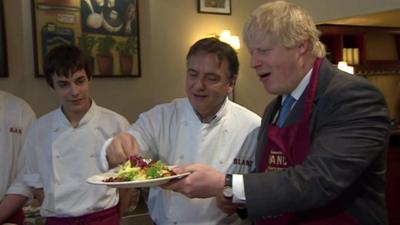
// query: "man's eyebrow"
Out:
[61,82]
[80,78]
[191,69]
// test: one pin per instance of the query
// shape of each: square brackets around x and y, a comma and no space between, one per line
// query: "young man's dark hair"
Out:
[64,60]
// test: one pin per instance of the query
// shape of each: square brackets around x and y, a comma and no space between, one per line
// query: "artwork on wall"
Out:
[215,6]
[3,46]
[107,31]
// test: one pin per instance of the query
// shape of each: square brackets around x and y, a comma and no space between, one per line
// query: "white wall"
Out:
[167,29]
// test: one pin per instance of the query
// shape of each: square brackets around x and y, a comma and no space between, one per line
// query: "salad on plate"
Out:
[138,168]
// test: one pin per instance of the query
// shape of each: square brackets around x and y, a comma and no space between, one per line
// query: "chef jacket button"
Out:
[185,123]
[92,155]
[57,156]
[221,162]
[181,157]
[175,222]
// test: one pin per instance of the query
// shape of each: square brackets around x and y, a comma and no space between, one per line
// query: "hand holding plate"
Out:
[203,181]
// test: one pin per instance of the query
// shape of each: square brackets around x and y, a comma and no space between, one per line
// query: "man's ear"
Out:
[232,81]
[303,47]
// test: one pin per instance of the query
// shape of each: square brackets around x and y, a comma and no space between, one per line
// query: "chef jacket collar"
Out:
[61,121]
[221,112]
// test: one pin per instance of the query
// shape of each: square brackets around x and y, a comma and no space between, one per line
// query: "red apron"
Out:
[105,217]
[288,146]
[17,218]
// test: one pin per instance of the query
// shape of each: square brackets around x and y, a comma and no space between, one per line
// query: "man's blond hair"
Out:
[287,24]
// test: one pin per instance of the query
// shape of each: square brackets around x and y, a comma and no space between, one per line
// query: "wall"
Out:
[380,47]
[165,35]
[167,29]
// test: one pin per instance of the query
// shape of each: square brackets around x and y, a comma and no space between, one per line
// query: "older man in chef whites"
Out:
[206,127]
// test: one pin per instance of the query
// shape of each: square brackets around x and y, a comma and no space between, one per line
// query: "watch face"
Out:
[228,192]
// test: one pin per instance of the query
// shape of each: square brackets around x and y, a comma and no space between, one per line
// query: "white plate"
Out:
[99,180]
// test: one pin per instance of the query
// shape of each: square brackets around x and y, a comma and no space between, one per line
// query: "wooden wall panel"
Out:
[390,87]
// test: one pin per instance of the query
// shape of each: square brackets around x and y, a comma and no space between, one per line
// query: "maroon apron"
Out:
[17,218]
[105,217]
[288,146]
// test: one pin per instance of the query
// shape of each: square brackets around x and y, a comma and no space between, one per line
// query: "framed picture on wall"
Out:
[215,6]
[107,31]
[3,46]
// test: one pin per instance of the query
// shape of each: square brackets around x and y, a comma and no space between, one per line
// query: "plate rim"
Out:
[92,179]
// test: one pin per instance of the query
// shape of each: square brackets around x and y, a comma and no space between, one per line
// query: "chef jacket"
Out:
[61,158]
[15,117]
[174,134]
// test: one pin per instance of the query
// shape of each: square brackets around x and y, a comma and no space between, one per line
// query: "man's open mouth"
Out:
[264,75]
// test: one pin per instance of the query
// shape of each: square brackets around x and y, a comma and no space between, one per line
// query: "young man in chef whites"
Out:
[62,146]
[206,127]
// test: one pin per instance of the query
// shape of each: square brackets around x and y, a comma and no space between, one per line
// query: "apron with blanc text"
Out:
[288,146]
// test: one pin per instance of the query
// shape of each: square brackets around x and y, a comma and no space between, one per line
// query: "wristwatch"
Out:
[228,191]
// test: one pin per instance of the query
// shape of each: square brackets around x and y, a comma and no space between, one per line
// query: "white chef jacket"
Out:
[15,117]
[174,134]
[61,158]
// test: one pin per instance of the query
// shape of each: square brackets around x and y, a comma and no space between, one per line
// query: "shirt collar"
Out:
[221,112]
[298,91]
[61,121]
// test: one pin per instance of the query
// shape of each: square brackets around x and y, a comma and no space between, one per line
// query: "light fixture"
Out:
[342,65]
[235,42]
[225,36]
[351,55]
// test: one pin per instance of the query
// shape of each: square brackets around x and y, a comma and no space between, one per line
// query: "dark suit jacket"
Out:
[347,160]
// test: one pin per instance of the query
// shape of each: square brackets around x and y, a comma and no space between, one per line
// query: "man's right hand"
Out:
[121,148]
